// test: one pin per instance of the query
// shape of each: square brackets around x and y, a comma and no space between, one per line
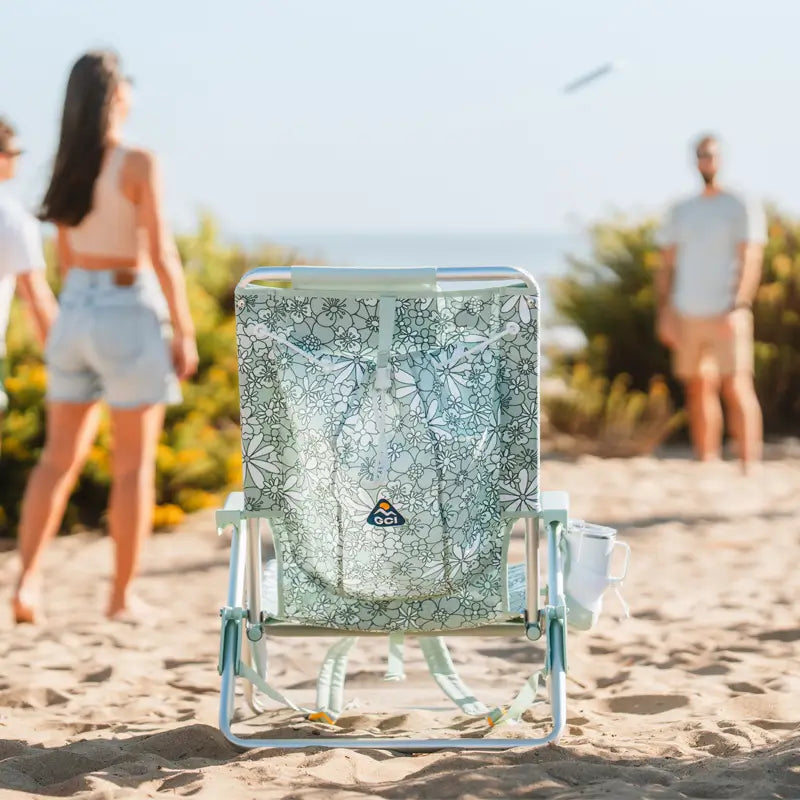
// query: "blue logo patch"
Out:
[385,515]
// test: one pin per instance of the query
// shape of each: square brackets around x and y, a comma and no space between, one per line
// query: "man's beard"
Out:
[708,178]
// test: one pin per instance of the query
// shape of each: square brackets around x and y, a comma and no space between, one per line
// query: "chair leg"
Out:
[556,629]
[230,632]
[557,680]
[227,695]
[556,640]
[253,577]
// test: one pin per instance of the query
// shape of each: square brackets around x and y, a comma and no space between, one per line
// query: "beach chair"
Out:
[390,441]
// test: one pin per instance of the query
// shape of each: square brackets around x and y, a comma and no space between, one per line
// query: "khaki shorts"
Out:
[704,347]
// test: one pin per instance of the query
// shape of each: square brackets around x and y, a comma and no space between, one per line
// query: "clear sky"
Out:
[422,115]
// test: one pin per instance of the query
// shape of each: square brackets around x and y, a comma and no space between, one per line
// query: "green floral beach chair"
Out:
[390,442]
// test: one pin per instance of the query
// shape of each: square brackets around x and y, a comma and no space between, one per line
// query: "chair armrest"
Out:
[231,512]
[555,507]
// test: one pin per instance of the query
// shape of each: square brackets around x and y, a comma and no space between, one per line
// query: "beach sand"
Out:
[697,695]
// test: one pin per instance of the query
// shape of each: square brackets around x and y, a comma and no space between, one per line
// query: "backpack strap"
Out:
[522,702]
[444,673]
[268,689]
[394,660]
[440,664]
[330,683]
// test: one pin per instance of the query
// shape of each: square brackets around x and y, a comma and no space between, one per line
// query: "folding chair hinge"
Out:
[534,630]
[230,616]
[548,614]
[255,630]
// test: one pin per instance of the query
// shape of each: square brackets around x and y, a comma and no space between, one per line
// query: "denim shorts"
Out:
[111,340]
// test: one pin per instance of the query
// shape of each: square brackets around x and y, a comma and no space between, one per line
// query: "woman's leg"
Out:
[136,433]
[71,428]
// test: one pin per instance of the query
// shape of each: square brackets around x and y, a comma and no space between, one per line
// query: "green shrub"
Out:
[198,456]
[594,415]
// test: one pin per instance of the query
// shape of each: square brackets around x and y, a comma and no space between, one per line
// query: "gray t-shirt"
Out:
[706,232]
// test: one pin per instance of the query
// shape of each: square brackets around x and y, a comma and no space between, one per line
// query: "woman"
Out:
[112,338]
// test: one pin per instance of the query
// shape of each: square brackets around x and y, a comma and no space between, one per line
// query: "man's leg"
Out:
[745,412]
[734,351]
[705,415]
[691,365]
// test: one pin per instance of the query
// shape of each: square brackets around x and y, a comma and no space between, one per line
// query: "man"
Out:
[711,268]
[21,259]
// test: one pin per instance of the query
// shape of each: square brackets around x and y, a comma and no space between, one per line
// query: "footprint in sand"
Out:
[98,676]
[186,783]
[175,663]
[718,743]
[746,688]
[32,698]
[646,703]
[787,635]
[711,669]
[620,677]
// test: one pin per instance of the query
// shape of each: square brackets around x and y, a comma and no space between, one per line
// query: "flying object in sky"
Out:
[591,77]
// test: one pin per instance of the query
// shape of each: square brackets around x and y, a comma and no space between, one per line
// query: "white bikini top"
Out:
[110,228]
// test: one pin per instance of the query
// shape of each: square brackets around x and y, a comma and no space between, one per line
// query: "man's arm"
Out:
[751,233]
[664,277]
[34,289]
[751,256]
[666,318]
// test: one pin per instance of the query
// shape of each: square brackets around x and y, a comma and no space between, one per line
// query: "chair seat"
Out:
[269,588]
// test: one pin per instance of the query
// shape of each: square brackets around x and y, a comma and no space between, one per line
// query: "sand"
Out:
[697,695]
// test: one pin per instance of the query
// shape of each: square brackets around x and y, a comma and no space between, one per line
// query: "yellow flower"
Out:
[14,384]
[658,389]
[782,265]
[233,469]
[771,293]
[37,377]
[165,459]
[185,457]
[216,375]
[16,450]
[196,499]
[99,459]
[167,516]
[652,260]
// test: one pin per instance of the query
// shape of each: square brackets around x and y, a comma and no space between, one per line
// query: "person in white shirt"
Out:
[711,269]
[21,258]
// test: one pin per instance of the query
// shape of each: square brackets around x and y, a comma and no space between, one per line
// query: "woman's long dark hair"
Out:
[84,126]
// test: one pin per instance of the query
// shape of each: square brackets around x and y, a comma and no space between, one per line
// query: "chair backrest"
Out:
[391,436]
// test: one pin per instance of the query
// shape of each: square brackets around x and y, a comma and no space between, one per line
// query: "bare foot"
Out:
[26,605]
[750,468]
[132,611]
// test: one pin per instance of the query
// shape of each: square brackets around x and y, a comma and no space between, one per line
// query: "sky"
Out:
[422,115]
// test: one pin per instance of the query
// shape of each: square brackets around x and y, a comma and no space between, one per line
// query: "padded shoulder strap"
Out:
[444,673]
[394,661]
[330,684]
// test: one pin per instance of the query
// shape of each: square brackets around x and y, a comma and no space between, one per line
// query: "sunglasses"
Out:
[702,156]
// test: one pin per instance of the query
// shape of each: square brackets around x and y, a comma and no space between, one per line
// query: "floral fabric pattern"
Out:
[439,418]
